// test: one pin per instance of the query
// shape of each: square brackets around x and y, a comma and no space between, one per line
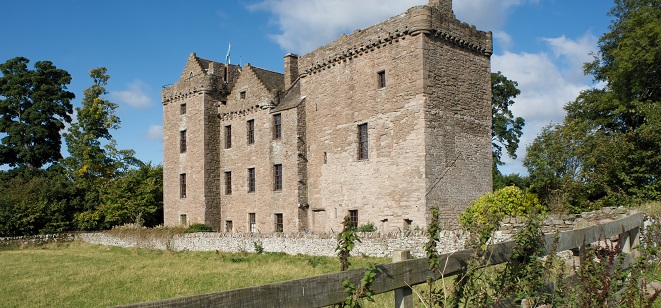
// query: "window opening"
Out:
[251,179]
[382,79]
[277,177]
[182,185]
[353,219]
[277,126]
[279,225]
[228,182]
[362,141]
[250,128]
[252,223]
[228,136]
[182,141]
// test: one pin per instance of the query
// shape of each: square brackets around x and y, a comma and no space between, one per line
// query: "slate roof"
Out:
[271,80]
[291,99]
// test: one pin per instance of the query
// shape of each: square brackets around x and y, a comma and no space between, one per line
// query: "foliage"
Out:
[259,249]
[346,241]
[505,128]
[501,181]
[34,107]
[368,227]
[483,216]
[198,227]
[610,136]
[357,295]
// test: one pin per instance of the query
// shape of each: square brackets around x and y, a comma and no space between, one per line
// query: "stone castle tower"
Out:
[380,125]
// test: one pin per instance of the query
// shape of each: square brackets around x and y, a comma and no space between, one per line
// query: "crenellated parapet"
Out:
[434,20]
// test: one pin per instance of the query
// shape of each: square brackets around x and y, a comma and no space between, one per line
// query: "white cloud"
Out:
[305,25]
[135,95]
[547,84]
[155,132]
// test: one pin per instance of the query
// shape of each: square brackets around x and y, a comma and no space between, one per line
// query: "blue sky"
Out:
[144,44]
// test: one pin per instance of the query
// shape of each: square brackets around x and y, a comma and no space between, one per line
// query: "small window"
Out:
[242,95]
[228,136]
[382,79]
[353,219]
[182,141]
[279,225]
[407,224]
[277,177]
[183,220]
[182,109]
[277,126]
[182,185]
[228,182]
[251,179]
[252,223]
[228,226]
[325,157]
[250,129]
[362,142]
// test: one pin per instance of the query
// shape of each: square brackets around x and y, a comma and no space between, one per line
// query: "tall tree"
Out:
[618,127]
[34,107]
[505,128]
[92,149]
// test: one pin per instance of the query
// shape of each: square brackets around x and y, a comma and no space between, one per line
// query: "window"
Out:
[182,141]
[250,128]
[182,185]
[228,136]
[407,224]
[279,226]
[228,226]
[228,182]
[242,95]
[382,79]
[183,220]
[277,177]
[252,223]
[353,219]
[362,141]
[182,109]
[251,179]
[277,126]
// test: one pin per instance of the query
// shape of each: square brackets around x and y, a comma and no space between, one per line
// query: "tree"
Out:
[94,159]
[505,128]
[34,107]
[616,131]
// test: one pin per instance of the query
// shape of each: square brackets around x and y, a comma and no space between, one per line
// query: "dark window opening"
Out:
[362,141]
[228,183]
[182,109]
[252,223]
[277,177]
[228,136]
[382,79]
[279,225]
[277,126]
[353,219]
[242,95]
[182,141]
[183,220]
[182,185]
[228,226]
[250,127]
[251,179]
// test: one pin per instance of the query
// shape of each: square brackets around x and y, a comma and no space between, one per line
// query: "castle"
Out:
[380,125]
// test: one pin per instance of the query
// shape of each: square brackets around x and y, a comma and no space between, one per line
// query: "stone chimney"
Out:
[291,69]
[445,6]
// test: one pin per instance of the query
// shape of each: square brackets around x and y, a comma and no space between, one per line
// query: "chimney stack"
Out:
[291,69]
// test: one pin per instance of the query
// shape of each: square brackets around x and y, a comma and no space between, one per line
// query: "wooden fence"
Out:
[398,276]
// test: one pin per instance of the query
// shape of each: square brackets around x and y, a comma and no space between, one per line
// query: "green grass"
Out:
[83,275]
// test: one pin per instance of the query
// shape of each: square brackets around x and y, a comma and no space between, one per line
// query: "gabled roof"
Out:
[271,80]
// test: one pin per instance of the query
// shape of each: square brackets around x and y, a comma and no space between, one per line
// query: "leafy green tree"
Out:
[94,160]
[505,128]
[135,197]
[34,107]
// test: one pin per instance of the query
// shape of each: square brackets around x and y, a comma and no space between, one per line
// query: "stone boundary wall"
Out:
[34,240]
[376,245]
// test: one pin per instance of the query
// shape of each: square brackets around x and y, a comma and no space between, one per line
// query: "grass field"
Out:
[83,275]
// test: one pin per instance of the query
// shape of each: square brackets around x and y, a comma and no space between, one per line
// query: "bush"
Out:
[485,213]
[198,227]
[368,227]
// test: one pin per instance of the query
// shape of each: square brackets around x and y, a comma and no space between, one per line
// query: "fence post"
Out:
[403,296]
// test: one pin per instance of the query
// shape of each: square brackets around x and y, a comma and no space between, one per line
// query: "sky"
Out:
[541,44]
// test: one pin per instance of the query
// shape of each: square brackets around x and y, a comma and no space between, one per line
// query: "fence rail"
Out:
[327,289]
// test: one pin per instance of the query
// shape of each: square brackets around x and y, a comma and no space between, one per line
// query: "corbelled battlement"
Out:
[435,19]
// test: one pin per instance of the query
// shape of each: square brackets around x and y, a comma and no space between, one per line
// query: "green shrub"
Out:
[198,227]
[368,227]
[485,213]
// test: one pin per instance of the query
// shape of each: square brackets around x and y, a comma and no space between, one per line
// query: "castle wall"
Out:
[388,187]
[262,155]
